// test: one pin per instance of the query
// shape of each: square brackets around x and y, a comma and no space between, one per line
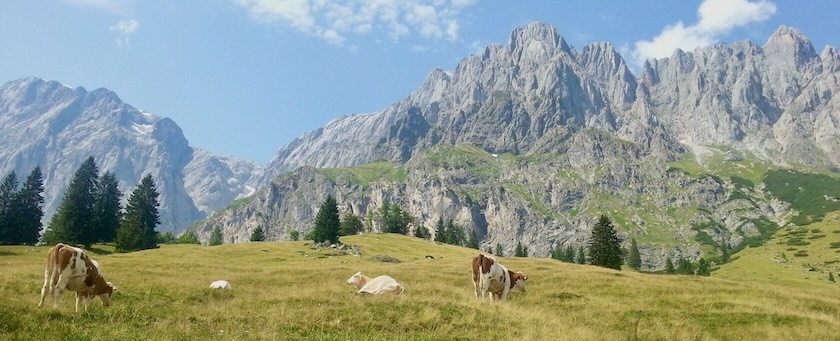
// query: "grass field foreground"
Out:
[288,291]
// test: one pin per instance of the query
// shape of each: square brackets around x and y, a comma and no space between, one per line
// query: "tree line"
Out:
[90,211]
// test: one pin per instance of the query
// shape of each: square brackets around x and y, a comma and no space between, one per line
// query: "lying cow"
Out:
[69,268]
[494,279]
[380,285]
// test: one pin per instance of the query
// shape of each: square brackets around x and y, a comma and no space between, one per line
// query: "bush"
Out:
[166,237]
[295,235]
[188,237]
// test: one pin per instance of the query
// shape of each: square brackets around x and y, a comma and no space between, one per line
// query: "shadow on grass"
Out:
[98,251]
[7,253]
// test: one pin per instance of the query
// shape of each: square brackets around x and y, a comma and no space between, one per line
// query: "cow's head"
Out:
[106,293]
[518,281]
[357,280]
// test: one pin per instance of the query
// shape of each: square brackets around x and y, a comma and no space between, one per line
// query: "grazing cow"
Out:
[220,284]
[69,268]
[494,279]
[380,285]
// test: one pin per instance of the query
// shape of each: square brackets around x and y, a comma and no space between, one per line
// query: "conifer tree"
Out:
[703,267]
[669,266]
[327,222]
[350,225]
[29,203]
[422,232]
[8,216]
[518,252]
[258,234]
[217,237]
[440,231]
[569,254]
[684,266]
[188,237]
[499,251]
[634,259]
[107,208]
[472,241]
[73,222]
[137,227]
[580,257]
[605,247]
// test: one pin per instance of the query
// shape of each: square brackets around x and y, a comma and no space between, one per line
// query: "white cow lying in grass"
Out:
[375,286]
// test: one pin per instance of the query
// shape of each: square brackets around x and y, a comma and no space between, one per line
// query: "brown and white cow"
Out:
[382,284]
[70,268]
[494,280]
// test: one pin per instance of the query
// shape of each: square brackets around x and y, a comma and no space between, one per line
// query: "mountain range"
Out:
[526,143]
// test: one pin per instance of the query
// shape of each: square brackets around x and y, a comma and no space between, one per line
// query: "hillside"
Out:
[285,290]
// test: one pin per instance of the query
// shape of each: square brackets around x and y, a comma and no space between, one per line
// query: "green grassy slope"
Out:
[287,291]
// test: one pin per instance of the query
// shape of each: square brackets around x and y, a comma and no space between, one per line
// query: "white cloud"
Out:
[715,19]
[114,6]
[125,26]
[334,21]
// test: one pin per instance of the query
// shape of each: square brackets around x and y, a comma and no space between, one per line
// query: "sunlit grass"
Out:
[287,291]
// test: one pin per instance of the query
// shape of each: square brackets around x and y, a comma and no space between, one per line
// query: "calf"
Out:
[494,279]
[69,268]
[380,285]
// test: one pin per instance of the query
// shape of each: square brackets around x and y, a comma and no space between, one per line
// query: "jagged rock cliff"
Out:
[529,141]
[46,124]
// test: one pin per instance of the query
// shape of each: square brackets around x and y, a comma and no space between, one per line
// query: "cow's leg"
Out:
[47,286]
[477,288]
[504,294]
[58,289]
[79,297]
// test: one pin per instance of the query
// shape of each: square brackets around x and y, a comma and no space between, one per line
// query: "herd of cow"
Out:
[70,268]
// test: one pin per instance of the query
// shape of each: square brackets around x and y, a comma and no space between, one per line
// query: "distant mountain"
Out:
[47,124]
[529,141]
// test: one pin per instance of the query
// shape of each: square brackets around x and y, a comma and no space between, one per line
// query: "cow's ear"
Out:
[524,278]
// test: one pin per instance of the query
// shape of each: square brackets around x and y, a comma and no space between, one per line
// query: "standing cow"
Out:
[494,279]
[69,268]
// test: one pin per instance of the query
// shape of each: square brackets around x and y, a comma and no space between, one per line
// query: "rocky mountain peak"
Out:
[537,38]
[789,45]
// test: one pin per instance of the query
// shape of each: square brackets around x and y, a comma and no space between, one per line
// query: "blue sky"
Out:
[244,77]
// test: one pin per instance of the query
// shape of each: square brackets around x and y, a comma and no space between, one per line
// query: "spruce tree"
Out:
[350,225]
[217,237]
[73,222]
[8,214]
[29,203]
[107,208]
[669,266]
[580,257]
[684,266]
[422,232]
[327,223]
[518,252]
[634,259]
[258,234]
[568,254]
[605,247]
[440,231]
[703,267]
[137,227]
[473,241]
[499,251]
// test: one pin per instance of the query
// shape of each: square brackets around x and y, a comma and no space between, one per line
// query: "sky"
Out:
[244,77]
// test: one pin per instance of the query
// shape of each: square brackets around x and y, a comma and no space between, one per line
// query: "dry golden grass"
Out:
[287,291]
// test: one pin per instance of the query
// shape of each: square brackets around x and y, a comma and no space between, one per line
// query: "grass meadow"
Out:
[288,291]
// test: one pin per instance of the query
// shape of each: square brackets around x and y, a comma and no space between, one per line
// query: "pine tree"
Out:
[394,219]
[518,252]
[422,232]
[440,231]
[569,254]
[580,258]
[258,234]
[454,233]
[73,222]
[217,237]
[605,247]
[703,268]
[29,203]
[634,259]
[524,251]
[350,225]
[684,266]
[327,223]
[499,251]
[137,227]
[8,209]
[107,208]
[669,266]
